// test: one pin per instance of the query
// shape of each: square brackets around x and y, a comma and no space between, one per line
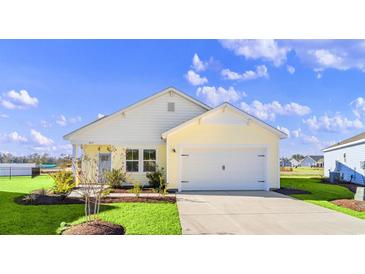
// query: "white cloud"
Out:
[258,49]
[45,124]
[198,65]
[3,115]
[336,123]
[296,133]
[99,116]
[63,121]
[54,149]
[327,59]
[14,137]
[40,139]
[290,69]
[358,107]
[18,100]
[269,111]
[285,130]
[195,79]
[215,96]
[260,72]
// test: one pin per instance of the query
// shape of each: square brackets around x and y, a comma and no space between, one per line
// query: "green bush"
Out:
[156,179]
[64,182]
[115,178]
[136,190]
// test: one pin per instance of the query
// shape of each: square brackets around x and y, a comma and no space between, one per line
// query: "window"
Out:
[344,157]
[149,160]
[362,164]
[171,106]
[132,160]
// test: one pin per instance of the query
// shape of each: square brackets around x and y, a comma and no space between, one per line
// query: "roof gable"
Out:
[124,111]
[247,119]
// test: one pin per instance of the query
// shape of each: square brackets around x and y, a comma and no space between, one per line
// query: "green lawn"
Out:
[303,171]
[137,218]
[321,194]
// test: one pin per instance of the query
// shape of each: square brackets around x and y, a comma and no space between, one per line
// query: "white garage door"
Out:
[233,168]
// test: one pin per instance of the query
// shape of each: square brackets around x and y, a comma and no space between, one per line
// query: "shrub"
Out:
[156,179]
[115,178]
[64,182]
[136,190]
[41,191]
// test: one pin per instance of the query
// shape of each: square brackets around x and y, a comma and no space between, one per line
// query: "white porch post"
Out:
[75,152]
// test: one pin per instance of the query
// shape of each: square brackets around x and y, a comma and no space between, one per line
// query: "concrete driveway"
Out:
[259,212]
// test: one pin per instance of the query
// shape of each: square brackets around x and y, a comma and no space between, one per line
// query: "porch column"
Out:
[75,155]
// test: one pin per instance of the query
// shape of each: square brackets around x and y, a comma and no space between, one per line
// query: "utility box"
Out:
[360,193]
[335,176]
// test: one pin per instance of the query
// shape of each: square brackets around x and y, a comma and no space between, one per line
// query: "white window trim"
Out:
[139,161]
[140,158]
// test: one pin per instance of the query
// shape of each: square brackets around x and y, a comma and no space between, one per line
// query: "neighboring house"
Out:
[285,162]
[348,158]
[294,162]
[312,161]
[201,148]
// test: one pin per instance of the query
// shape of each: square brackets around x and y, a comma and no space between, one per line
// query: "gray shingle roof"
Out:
[349,140]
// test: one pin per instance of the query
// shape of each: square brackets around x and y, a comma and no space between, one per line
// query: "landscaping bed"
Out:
[59,200]
[152,199]
[46,200]
[97,227]
[290,191]
[351,204]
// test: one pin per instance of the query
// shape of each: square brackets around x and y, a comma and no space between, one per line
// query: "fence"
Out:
[11,171]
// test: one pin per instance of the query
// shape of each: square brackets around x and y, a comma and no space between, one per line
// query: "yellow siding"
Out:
[223,134]
[118,158]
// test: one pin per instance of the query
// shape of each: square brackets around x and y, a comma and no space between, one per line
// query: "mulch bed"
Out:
[291,191]
[57,200]
[155,199]
[351,204]
[47,200]
[95,228]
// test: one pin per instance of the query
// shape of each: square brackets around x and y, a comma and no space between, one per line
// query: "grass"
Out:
[137,218]
[321,194]
[303,171]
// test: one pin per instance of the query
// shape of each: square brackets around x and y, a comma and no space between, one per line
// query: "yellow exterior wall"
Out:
[118,158]
[222,134]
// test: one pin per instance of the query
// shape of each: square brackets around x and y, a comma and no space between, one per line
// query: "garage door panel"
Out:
[223,168]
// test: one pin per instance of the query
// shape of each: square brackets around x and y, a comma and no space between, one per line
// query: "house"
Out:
[312,161]
[294,162]
[348,158]
[284,162]
[201,148]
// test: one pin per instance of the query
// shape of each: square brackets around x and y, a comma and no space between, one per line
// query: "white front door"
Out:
[223,168]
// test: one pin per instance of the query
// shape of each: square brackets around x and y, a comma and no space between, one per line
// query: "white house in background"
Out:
[312,161]
[348,158]
[294,162]
[201,148]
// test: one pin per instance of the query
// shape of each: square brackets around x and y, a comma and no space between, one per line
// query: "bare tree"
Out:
[92,184]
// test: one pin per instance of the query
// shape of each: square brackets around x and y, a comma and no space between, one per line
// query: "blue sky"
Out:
[312,89]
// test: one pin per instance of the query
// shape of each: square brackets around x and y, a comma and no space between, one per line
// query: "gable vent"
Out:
[171,106]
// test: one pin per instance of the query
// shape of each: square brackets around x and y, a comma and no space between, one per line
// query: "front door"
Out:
[105,164]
